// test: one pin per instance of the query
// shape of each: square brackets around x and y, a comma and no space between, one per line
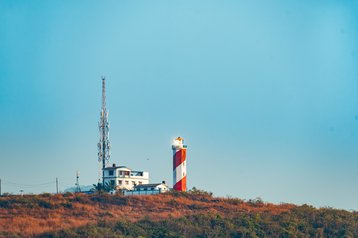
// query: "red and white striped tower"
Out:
[179,164]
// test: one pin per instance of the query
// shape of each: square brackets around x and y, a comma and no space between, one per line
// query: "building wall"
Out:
[125,178]
[157,190]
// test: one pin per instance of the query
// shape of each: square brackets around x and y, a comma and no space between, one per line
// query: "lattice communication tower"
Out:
[104,144]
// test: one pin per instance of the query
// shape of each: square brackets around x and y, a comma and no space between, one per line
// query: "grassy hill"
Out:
[193,214]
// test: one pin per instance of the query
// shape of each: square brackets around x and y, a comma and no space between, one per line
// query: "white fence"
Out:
[142,192]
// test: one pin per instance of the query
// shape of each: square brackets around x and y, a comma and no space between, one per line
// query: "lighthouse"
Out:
[179,164]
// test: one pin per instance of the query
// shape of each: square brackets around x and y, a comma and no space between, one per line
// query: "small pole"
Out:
[57,185]
[78,188]
[0,187]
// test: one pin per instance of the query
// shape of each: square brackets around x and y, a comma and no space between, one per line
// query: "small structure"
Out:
[124,178]
[147,189]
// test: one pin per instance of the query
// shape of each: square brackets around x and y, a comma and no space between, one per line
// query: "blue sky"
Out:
[264,92]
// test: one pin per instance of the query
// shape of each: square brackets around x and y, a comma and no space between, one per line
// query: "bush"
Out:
[110,199]
[46,204]
[46,195]
[200,192]
[194,194]
[67,205]
[67,194]
[5,204]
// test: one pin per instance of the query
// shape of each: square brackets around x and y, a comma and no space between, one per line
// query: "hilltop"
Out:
[193,214]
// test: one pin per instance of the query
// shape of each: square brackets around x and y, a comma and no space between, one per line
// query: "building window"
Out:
[140,182]
[127,182]
[120,182]
[110,172]
[112,182]
[133,183]
[152,189]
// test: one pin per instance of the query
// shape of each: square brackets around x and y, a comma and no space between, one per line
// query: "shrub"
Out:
[46,204]
[67,205]
[46,195]
[110,199]
[5,204]
[201,192]
[67,194]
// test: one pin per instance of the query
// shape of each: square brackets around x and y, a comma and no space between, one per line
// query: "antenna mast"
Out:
[103,125]
[103,93]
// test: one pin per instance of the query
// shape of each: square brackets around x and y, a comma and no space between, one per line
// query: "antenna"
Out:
[103,92]
[103,125]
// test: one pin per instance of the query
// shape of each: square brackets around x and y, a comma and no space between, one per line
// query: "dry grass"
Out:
[35,214]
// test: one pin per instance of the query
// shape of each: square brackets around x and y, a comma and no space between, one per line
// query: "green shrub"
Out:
[67,194]
[5,204]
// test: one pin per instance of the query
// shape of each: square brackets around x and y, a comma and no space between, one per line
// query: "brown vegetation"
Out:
[32,215]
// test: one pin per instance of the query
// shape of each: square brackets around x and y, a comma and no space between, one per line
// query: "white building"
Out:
[143,189]
[124,178]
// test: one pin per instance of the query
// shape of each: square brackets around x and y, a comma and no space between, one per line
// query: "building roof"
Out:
[118,167]
[149,185]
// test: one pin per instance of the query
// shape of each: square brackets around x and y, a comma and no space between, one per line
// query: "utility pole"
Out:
[0,187]
[57,185]
[78,188]
[103,125]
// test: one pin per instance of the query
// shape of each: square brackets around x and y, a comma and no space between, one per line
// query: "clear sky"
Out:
[264,92]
